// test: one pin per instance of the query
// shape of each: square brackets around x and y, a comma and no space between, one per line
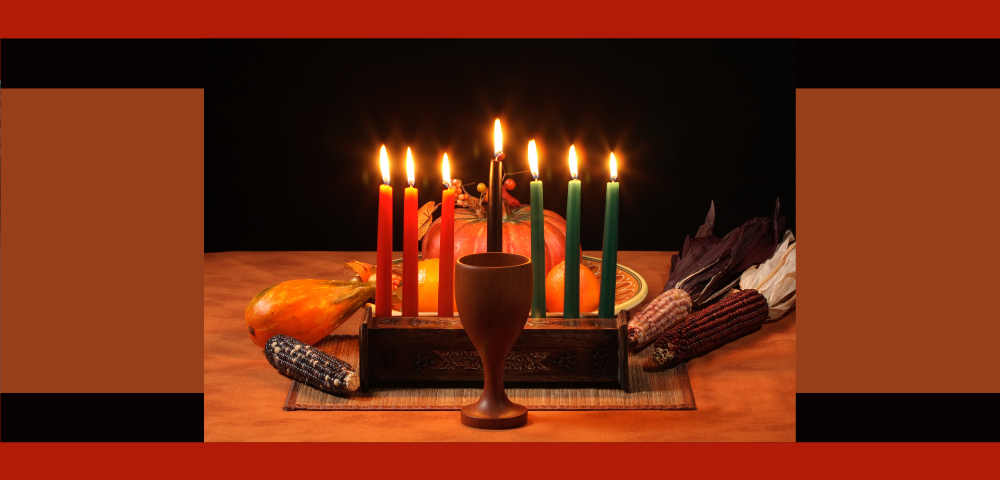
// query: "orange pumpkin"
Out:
[307,310]
[470,235]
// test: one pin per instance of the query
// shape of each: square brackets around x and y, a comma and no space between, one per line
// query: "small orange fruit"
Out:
[590,289]
[427,280]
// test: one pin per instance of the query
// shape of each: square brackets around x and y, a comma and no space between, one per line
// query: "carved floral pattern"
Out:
[600,360]
[567,361]
[418,321]
[388,360]
[420,361]
[467,360]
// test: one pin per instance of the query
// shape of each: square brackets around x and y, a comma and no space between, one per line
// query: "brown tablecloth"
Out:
[745,391]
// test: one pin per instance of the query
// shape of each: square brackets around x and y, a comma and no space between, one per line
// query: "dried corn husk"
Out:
[775,278]
[708,268]
[694,248]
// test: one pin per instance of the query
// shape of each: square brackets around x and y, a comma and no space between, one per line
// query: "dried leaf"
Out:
[364,270]
[707,267]
[367,271]
[476,205]
[691,258]
[397,298]
[513,202]
[424,218]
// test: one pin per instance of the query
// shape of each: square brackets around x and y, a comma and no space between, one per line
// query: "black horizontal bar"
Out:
[897,417]
[103,417]
[897,63]
[103,63]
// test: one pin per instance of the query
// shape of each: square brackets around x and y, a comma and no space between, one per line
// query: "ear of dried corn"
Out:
[704,271]
[310,365]
[737,315]
[657,316]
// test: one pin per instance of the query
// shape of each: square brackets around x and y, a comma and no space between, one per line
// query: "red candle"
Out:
[446,273]
[383,272]
[410,243]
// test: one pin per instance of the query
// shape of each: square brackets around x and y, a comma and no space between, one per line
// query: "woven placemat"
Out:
[665,390]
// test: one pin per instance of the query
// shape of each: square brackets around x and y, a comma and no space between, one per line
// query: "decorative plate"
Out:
[630,288]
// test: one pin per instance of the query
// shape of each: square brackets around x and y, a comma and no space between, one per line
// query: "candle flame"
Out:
[533,159]
[497,138]
[384,160]
[446,171]
[614,167]
[409,166]
[572,161]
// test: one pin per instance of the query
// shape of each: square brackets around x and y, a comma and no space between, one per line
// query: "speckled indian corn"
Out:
[701,332]
[310,365]
[656,317]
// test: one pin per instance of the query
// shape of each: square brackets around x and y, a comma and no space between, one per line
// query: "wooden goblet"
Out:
[493,294]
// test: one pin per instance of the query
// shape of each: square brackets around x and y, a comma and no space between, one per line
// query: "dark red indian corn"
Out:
[701,332]
[309,365]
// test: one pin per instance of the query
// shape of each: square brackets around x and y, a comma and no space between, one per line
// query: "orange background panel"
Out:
[103,227]
[897,195]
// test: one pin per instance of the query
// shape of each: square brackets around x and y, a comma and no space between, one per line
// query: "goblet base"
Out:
[509,415]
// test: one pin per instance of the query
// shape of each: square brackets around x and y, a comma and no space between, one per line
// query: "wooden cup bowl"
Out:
[493,295]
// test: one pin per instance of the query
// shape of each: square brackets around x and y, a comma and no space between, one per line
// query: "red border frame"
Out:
[727,19]
[700,460]
[509,18]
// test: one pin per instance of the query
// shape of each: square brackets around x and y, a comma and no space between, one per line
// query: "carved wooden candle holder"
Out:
[551,352]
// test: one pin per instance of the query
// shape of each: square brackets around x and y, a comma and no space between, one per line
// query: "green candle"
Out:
[571,289]
[537,237]
[609,258]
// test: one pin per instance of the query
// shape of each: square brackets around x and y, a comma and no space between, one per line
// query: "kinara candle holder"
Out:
[493,293]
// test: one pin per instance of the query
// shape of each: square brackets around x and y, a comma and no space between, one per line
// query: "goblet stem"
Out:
[494,396]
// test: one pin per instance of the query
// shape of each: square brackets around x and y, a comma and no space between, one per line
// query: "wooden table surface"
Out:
[745,391]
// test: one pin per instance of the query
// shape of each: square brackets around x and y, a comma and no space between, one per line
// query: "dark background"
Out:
[293,129]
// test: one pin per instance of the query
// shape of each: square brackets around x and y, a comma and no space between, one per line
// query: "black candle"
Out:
[494,217]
